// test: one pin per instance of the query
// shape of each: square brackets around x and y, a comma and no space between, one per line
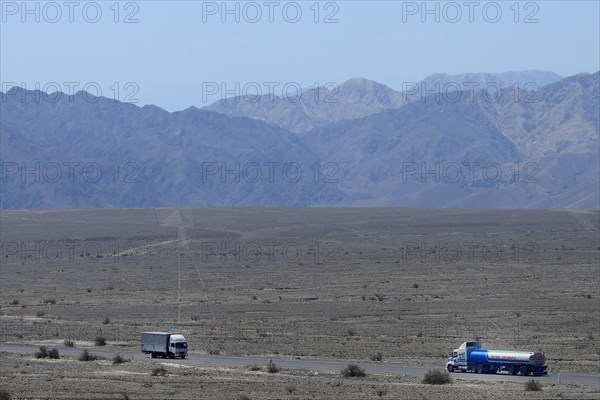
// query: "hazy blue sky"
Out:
[175,47]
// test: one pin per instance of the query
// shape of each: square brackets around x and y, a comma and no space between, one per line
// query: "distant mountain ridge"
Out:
[525,150]
[360,97]
[148,157]
[354,98]
[544,149]
[503,79]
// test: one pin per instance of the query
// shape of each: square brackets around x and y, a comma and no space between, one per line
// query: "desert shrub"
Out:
[41,353]
[100,341]
[254,367]
[533,386]
[15,302]
[159,371]
[69,343]
[353,371]
[5,395]
[40,314]
[87,356]
[53,354]
[106,321]
[376,357]
[119,359]
[436,377]
[272,368]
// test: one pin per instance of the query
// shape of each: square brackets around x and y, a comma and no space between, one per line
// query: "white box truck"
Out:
[164,344]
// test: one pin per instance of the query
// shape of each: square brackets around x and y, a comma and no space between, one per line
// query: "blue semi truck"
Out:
[471,357]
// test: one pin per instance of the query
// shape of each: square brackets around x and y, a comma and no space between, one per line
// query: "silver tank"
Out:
[516,356]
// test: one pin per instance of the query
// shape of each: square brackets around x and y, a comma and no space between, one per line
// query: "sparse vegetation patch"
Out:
[436,377]
[353,371]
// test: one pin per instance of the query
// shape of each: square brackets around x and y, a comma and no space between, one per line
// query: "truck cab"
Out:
[458,358]
[178,346]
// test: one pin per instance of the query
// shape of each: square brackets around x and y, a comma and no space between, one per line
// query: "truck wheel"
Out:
[512,370]
[153,355]
[183,356]
[479,369]
[450,368]
[171,355]
[524,370]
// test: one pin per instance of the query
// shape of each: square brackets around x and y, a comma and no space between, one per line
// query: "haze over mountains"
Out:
[518,148]
[359,97]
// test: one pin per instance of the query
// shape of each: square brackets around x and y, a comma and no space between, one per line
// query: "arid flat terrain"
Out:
[340,284]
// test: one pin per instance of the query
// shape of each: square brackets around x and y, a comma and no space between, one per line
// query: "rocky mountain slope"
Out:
[523,149]
[358,97]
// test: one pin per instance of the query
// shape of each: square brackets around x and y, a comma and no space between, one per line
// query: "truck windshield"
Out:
[181,345]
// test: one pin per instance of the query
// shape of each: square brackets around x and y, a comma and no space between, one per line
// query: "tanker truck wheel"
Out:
[524,370]
[512,370]
[450,368]
[479,369]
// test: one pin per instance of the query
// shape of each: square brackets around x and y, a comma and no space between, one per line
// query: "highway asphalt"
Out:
[310,364]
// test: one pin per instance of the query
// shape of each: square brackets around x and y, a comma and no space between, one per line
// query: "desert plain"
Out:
[378,285]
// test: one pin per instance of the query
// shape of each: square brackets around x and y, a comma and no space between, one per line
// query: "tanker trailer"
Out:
[471,357]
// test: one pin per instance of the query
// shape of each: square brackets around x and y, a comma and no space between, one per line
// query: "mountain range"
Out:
[359,97]
[523,146]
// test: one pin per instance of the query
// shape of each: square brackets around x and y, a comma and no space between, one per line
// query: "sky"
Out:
[181,53]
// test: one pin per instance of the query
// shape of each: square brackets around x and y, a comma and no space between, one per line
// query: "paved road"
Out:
[295,363]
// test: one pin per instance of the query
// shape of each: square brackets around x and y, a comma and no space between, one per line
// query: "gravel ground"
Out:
[314,283]
[67,378]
